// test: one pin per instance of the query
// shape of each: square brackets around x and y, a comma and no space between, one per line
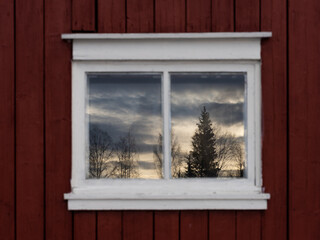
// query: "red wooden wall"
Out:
[35,122]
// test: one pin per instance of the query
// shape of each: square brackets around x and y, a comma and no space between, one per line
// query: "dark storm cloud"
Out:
[222,113]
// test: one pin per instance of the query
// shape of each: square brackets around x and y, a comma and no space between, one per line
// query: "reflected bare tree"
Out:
[100,154]
[238,158]
[177,158]
[127,153]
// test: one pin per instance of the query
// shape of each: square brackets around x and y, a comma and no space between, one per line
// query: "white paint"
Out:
[164,54]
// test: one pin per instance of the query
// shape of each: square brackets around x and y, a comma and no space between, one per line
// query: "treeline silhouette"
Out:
[214,153]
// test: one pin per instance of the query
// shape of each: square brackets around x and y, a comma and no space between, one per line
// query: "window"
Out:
[166,121]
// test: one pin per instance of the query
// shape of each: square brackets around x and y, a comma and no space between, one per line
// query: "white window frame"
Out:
[166,53]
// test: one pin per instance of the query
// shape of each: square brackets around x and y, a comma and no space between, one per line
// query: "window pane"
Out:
[125,123]
[208,137]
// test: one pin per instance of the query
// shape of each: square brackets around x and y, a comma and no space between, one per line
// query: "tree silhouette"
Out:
[203,156]
[100,154]
[127,153]
[176,156]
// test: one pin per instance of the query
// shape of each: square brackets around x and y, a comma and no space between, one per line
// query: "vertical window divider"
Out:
[166,126]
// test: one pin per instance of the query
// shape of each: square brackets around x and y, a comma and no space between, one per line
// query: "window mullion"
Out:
[166,126]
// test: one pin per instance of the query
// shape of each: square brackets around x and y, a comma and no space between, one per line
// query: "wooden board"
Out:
[304,115]
[248,225]
[83,15]
[57,119]
[29,120]
[84,226]
[247,15]
[166,225]
[170,16]
[7,131]
[198,16]
[222,225]
[111,16]
[194,225]
[140,16]
[222,15]
[137,225]
[274,118]
[109,225]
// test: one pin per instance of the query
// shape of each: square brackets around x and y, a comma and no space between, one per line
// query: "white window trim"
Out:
[185,52]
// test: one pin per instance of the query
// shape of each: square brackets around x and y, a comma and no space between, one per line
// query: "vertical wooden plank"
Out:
[111,16]
[304,115]
[247,15]
[7,132]
[170,16]
[109,225]
[166,225]
[84,226]
[274,118]
[248,225]
[140,16]
[222,15]
[137,225]
[83,15]
[57,118]
[222,225]
[29,120]
[194,225]
[198,15]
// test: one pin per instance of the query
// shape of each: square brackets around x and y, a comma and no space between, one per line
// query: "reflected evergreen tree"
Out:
[203,156]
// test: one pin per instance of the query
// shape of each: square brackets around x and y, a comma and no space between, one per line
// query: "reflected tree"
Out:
[100,154]
[238,157]
[177,158]
[127,153]
[203,156]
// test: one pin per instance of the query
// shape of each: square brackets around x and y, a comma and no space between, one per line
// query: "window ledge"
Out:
[96,201]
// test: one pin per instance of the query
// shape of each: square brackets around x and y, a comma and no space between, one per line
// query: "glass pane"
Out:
[125,123]
[207,112]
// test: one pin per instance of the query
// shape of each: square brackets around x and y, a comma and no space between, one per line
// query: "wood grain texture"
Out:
[304,114]
[140,16]
[198,15]
[83,15]
[84,226]
[248,225]
[109,225]
[7,131]
[170,16]
[137,225]
[247,15]
[222,15]
[57,119]
[222,225]
[274,118]
[29,120]
[166,225]
[194,225]
[111,16]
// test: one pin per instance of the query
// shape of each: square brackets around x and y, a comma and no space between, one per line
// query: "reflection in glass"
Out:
[207,116]
[124,125]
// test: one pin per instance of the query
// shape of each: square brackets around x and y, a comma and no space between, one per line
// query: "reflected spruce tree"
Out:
[202,159]
[177,157]
[127,154]
[100,153]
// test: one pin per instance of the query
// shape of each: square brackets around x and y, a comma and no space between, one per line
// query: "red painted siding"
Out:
[35,124]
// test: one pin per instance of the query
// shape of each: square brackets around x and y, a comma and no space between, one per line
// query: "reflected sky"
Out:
[119,103]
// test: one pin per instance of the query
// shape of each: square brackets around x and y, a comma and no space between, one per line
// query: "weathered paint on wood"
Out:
[274,119]
[83,15]
[198,16]
[57,119]
[247,15]
[29,120]
[304,114]
[194,225]
[137,225]
[223,15]
[7,121]
[222,225]
[166,225]
[84,225]
[111,16]
[140,16]
[109,225]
